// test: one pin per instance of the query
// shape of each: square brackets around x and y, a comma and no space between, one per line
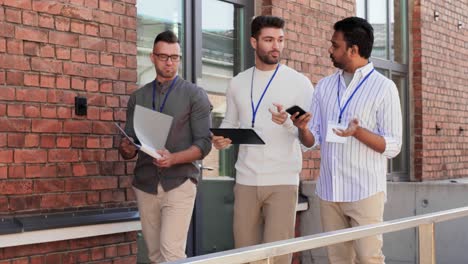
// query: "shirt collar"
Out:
[364,70]
[163,86]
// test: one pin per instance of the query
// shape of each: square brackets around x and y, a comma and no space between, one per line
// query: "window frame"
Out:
[402,70]
[193,20]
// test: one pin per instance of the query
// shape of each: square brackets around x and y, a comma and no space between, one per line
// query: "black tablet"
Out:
[239,135]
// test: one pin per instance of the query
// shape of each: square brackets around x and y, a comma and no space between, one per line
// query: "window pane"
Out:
[400,162]
[220,45]
[399,31]
[361,8]
[377,17]
[154,17]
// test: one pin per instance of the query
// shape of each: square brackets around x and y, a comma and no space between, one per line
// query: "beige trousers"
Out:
[340,215]
[165,219]
[264,214]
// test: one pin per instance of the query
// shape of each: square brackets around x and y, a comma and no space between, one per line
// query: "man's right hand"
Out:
[221,142]
[301,122]
[127,149]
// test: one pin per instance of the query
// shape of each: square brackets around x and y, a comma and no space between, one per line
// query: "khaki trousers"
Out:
[165,219]
[264,214]
[340,215]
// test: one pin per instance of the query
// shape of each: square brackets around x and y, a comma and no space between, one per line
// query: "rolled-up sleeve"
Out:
[389,122]
[200,121]
[315,121]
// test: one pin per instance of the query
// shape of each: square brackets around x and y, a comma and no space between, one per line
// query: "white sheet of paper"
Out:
[151,128]
[332,137]
[150,151]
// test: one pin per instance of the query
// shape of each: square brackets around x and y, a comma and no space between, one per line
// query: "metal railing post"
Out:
[426,244]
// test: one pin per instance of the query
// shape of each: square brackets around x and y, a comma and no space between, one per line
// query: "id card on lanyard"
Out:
[331,136]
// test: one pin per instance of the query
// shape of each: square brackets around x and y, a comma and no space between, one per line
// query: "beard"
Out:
[166,73]
[267,58]
[335,63]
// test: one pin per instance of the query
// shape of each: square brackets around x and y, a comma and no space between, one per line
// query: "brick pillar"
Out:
[439,89]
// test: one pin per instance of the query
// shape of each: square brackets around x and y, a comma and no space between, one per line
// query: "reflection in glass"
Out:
[154,17]
[398,52]
[377,17]
[222,58]
[361,8]
[376,14]
[220,45]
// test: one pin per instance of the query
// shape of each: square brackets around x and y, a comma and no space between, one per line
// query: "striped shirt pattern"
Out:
[352,171]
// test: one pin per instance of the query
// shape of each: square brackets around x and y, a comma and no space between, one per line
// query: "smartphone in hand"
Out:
[295,109]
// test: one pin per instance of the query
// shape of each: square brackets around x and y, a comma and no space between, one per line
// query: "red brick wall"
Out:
[440,92]
[50,52]
[309,27]
[51,159]
[109,249]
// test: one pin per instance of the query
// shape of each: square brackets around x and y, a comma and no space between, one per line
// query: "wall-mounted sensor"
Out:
[81,106]
[436,15]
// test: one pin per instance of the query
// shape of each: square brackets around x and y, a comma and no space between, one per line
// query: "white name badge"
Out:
[331,136]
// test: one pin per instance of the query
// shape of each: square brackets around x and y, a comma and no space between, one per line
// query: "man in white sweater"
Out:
[267,175]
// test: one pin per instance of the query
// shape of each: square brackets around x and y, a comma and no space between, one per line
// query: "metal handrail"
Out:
[265,252]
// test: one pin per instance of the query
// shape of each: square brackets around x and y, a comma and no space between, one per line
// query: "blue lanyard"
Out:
[165,97]
[255,109]
[349,99]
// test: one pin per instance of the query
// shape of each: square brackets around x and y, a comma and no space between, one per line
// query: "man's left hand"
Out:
[279,116]
[167,159]
[353,126]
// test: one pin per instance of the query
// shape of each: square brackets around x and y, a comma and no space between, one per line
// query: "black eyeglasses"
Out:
[165,57]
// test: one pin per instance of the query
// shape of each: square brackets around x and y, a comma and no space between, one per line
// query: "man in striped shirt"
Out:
[355,117]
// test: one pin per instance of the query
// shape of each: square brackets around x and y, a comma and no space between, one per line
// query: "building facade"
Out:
[56,160]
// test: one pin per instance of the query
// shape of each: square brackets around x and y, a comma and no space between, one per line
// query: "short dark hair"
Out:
[357,31]
[166,36]
[265,22]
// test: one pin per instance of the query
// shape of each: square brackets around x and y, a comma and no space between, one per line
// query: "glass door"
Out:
[214,37]
[220,52]
[225,51]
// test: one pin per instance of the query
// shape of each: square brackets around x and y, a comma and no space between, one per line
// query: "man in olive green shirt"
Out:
[166,187]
